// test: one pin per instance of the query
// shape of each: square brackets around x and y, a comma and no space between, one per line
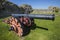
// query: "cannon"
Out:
[21,23]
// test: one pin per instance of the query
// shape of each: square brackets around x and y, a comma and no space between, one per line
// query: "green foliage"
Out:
[27,8]
[22,10]
[8,8]
[55,9]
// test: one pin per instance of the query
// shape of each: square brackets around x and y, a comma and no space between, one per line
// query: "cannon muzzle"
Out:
[36,16]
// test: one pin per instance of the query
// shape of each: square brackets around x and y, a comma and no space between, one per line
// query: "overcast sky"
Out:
[38,4]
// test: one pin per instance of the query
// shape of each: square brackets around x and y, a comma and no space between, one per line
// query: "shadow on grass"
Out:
[26,30]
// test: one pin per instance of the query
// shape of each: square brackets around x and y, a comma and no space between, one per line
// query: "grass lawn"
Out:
[53,32]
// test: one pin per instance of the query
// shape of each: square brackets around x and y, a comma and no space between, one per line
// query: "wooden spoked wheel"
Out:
[16,26]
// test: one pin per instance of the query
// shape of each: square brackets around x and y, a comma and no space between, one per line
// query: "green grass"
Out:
[53,32]
[5,34]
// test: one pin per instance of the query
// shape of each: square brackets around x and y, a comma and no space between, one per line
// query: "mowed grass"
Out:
[5,34]
[53,32]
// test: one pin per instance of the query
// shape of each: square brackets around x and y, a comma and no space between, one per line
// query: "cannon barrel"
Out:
[36,16]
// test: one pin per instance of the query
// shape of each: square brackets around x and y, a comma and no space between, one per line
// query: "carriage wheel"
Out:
[17,28]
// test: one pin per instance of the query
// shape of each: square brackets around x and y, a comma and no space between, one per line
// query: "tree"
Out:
[7,8]
[55,9]
[1,3]
[10,7]
[27,8]
[22,10]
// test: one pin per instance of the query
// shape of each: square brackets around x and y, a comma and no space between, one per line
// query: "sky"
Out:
[38,4]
